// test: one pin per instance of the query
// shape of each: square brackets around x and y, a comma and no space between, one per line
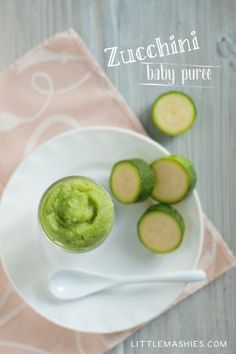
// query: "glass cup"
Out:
[76,214]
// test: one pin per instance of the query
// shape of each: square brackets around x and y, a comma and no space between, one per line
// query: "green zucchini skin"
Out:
[172,212]
[188,165]
[190,171]
[154,119]
[146,180]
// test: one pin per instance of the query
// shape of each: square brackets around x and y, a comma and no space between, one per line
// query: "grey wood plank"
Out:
[210,314]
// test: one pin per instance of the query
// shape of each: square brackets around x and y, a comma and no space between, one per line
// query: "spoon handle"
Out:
[177,277]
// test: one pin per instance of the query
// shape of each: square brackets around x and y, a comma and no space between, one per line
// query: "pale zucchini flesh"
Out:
[131,181]
[161,228]
[175,179]
[173,113]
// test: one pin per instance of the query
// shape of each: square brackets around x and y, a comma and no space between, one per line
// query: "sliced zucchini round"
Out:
[131,181]
[175,179]
[161,228]
[173,113]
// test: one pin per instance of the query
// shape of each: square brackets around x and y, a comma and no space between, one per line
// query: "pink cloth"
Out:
[55,87]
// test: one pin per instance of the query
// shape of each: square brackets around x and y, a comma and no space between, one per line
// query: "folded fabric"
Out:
[56,87]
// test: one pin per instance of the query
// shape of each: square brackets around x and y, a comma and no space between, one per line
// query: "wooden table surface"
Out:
[211,313]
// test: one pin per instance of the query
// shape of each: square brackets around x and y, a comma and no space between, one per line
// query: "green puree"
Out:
[76,213]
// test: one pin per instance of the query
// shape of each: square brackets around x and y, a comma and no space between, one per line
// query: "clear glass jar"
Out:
[76,214]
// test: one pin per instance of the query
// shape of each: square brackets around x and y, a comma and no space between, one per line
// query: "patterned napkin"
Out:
[56,87]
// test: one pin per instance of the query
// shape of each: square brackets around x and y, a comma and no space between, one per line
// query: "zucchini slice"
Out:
[131,181]
[175,179]
[173,113]
[161,228]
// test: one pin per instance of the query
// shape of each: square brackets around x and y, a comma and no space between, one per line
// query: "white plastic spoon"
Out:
[71,285]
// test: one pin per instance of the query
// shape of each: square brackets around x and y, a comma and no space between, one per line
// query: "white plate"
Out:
[30,259]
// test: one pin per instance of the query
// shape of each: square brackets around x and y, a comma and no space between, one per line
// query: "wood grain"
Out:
[210,314]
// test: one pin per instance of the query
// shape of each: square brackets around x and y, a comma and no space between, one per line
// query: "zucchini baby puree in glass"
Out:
[76,213]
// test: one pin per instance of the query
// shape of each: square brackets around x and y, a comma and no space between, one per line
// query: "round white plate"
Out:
[29,259]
